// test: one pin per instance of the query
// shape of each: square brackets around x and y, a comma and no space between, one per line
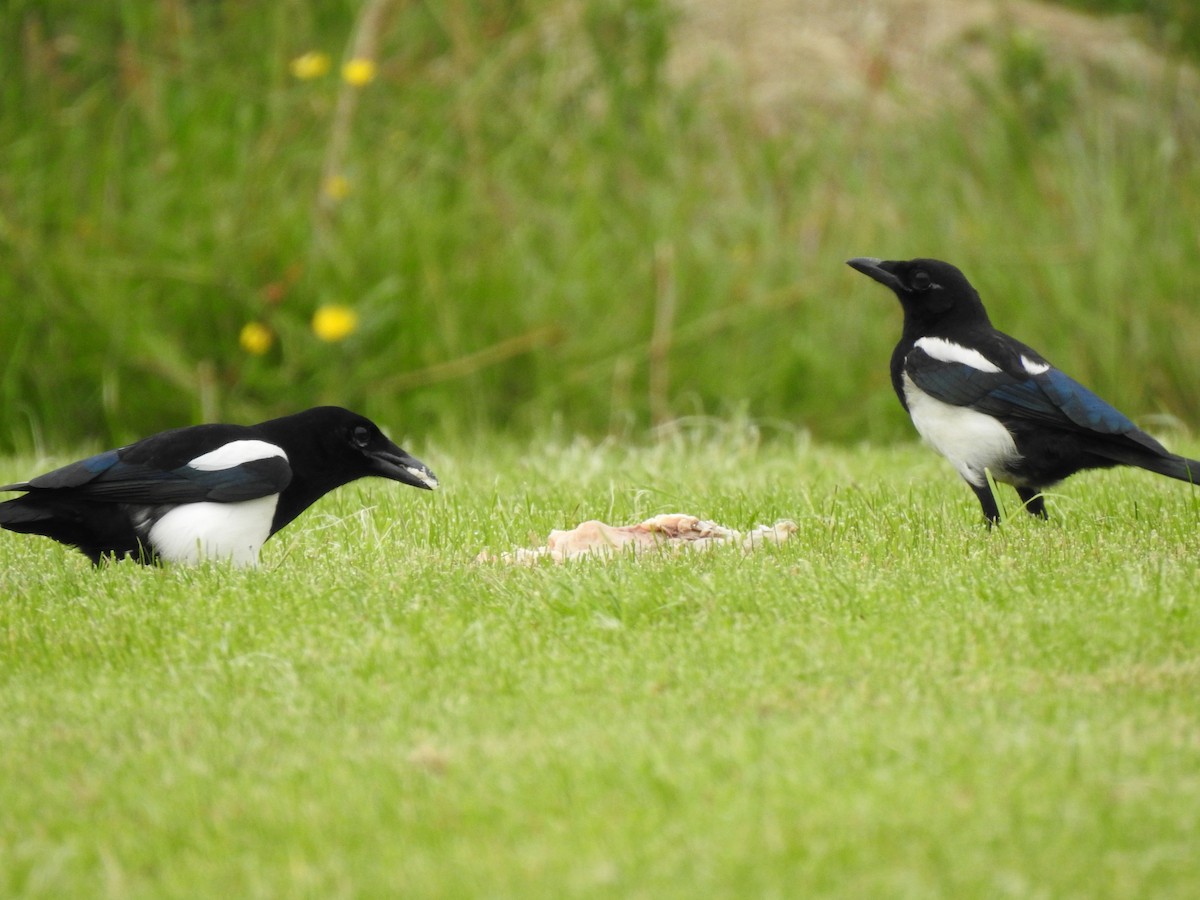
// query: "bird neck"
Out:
[960,323]
[302,492]
[897,369]
[953,314]
[313,474]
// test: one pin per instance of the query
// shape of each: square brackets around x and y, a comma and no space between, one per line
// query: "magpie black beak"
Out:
[875,268]
[397,465]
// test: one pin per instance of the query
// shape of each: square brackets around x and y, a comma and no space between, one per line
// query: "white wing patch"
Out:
[972,441]
[233,454]
[950,352]
[216,531]
[1033,368]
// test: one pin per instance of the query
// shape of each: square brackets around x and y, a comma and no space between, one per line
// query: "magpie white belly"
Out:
[972,441]
[214,531]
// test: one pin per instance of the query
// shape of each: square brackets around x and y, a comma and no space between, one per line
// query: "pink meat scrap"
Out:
[668,531]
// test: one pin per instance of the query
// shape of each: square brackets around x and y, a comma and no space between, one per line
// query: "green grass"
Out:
[529,193]
[895,703]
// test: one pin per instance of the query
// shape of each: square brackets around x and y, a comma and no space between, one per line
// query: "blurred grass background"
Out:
[537,222]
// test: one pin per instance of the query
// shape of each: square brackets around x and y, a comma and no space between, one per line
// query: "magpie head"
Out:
[384,458]
[347,446]
[929,290]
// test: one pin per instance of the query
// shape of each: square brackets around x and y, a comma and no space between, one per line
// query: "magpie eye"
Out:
[920,281]
[361,436]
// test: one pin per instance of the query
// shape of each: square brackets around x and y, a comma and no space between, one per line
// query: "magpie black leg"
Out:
[1035,503]
[988,501]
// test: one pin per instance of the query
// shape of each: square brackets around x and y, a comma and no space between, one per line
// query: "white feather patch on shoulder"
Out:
[950,352]
[214,531]
[233,454]
[1033,368]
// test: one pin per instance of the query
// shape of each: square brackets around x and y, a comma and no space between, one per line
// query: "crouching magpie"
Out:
[989,403]
[206,491]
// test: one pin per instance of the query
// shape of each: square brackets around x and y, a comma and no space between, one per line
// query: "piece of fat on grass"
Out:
[670,531]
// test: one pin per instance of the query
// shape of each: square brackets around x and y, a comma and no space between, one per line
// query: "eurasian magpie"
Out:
[989,403]
[206,491]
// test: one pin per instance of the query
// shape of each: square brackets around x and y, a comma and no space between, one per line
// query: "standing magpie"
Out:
[206,491]
[989,403]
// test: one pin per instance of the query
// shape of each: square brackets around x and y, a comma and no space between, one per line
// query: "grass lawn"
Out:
[895,703]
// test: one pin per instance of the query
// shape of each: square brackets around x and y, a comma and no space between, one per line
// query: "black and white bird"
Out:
[989,403]
[207,491]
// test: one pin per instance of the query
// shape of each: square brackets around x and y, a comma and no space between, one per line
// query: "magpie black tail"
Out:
[1176,467]
[1179,467]
[98,530]
[19,515]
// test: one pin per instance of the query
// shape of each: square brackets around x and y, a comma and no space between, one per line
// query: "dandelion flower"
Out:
[310,65]
[334,322]
[337,187]
[256,338]
[359,72]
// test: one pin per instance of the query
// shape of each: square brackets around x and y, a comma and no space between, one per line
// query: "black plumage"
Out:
[206,491]
[989,403]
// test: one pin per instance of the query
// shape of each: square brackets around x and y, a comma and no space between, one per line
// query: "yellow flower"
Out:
[358,72]
[310,65]
[256,338]
[337,187]
[333,322]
